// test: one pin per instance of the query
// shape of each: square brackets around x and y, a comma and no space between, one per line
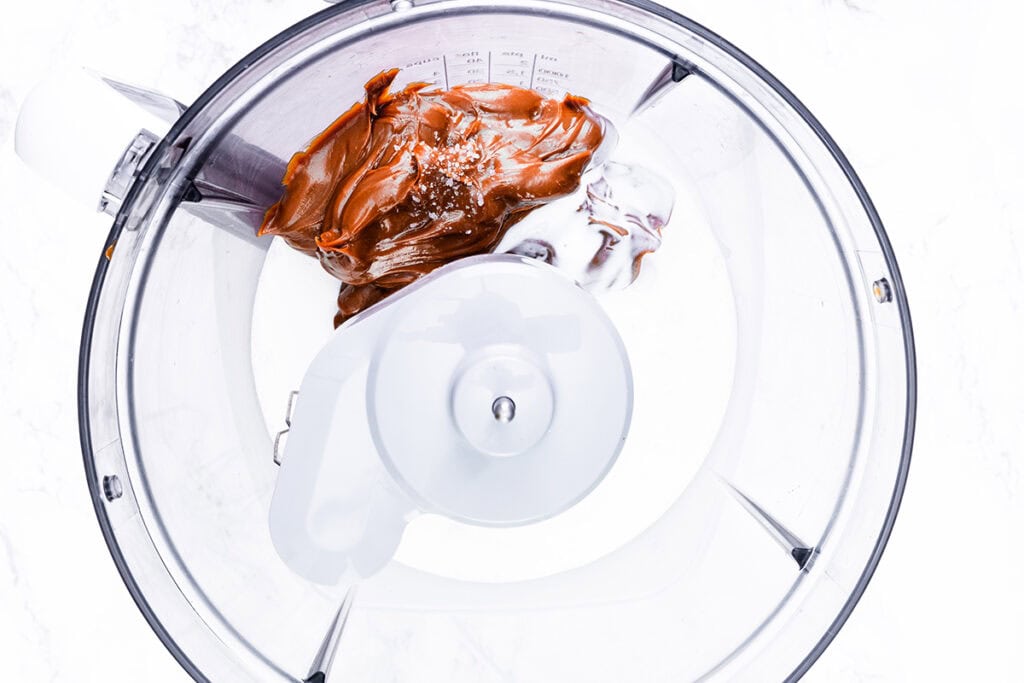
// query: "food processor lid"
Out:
[493,391]
[494,466]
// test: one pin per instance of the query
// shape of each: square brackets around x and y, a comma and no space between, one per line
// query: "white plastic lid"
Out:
[494,391]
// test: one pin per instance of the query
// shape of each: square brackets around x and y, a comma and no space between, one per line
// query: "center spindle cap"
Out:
[520,415]
[500,394]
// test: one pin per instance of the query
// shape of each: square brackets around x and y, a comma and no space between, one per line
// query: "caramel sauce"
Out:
[405,182]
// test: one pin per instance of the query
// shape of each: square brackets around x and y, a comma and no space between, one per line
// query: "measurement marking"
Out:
[444,61]
[534,70]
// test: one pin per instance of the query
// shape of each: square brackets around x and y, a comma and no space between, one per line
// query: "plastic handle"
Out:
[336,516]
[74,128]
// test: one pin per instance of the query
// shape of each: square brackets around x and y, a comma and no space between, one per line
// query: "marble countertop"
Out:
[923,96]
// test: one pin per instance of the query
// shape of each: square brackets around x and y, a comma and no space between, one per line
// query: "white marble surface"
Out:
[924,97]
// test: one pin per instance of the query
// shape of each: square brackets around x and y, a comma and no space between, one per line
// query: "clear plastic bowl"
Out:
[769,337]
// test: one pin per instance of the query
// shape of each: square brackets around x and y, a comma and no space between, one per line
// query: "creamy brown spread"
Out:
[405,182]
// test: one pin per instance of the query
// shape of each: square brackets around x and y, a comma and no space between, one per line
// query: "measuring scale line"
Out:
[535,71]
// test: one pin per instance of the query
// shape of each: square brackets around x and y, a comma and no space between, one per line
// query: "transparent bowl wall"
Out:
[801,437]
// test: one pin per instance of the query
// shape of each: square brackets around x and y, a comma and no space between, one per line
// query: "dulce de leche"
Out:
[405,182]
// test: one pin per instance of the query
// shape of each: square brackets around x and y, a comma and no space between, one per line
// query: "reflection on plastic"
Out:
[599,235]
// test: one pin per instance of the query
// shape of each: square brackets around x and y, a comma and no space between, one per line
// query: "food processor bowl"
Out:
[768,339]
